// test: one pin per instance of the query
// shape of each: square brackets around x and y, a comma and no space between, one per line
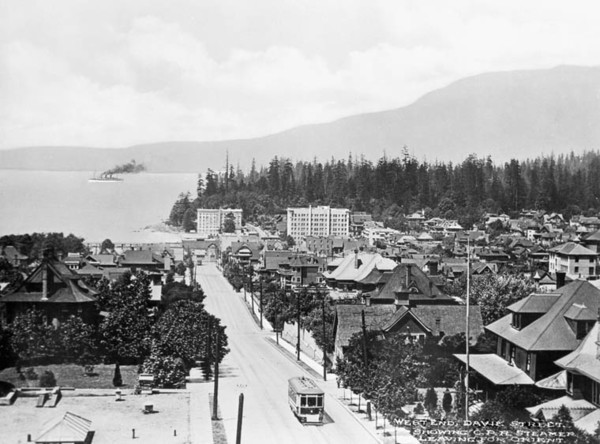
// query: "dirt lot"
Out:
[112,420]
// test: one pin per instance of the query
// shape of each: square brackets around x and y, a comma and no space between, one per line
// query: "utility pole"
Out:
[298,322]
[261,304]
[238,437]
[467,328]
[324,342]
[215,414]
[208,348]
[364,332]
[252,294]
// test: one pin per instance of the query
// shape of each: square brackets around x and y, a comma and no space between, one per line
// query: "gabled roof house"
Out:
[539,329]
[55,290]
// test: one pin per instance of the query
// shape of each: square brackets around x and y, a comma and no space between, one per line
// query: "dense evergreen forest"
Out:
[392,187]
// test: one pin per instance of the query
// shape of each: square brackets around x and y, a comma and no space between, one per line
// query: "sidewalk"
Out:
[389,435]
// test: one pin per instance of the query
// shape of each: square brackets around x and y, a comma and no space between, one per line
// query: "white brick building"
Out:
[210,222]
[318,221]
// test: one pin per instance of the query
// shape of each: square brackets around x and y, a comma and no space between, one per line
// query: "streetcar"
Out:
[306,400]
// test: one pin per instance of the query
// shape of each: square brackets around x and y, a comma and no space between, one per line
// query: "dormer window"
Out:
[583,328]
[517,321]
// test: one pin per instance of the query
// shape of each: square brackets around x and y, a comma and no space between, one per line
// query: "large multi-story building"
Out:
[210,221]
[318,221]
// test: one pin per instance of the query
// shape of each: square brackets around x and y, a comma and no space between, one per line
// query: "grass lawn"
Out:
[71,375]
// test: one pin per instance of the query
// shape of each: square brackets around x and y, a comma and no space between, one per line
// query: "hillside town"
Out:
[332,282]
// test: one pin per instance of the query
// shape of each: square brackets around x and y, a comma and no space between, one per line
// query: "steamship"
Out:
[105,178]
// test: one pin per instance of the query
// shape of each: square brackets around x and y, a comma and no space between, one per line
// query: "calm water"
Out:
[46,201]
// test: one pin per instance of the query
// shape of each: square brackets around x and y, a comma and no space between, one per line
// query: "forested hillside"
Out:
[391,187]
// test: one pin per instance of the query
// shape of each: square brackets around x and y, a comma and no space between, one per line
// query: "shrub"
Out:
[167,370]
[30,374]
[47,379]
[117,379]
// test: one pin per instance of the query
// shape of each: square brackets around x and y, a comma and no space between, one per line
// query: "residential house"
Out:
[357,222]
[538,330]
[306,270]
[348,321]
[56,291]
[435,321]
[145,260]
[592,241]
[12,255]
[573,259]
[203,251]
[408,286]
[101,260]
[581,379]
[354,268]
[246,253]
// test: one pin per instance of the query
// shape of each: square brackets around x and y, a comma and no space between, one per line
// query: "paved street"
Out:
[260,370]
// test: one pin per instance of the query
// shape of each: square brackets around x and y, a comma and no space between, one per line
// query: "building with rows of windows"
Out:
[318,221]
[210,221]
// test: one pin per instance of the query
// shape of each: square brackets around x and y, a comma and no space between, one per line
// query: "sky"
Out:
[115,73]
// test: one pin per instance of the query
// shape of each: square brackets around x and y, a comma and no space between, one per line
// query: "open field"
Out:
[112,421]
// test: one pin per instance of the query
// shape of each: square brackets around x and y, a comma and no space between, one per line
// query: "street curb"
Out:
[313,373]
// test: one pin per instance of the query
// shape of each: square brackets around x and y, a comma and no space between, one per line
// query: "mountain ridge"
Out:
[507,114]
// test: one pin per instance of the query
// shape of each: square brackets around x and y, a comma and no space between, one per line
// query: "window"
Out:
[576,269]
[528,362]
[596,392]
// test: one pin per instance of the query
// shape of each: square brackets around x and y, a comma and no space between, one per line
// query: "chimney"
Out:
[433,268]
[560,279]
[431,293]
[598,339]
[44,280]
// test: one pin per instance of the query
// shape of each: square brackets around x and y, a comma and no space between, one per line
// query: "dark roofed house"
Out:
[348,321]
[12,255]
[538,330]
[56,291]
[246,253]
[408,285]
[436,321]
[141,260]
[580,378]
[101,260]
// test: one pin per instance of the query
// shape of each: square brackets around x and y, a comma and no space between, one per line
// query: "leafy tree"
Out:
[107,246]
[431,400]
[168,370]
[229,223]
[185,331]
[76,338]
[493,293]
[564,418]
[32,339]
[188,220]
[177,291]
[447,401]
[8,356]
[125,331]
[47,379]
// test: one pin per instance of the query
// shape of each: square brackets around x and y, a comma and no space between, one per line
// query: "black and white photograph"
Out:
[317,221]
